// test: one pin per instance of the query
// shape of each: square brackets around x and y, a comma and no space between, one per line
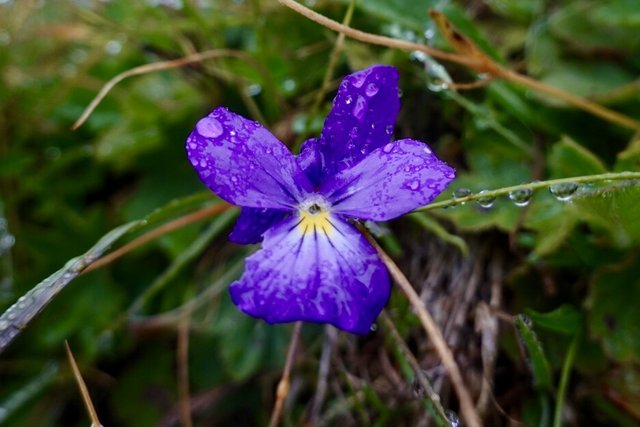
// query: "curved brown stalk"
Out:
[467,407]
[163,229]
[156,66]
[470,56]
[283,385]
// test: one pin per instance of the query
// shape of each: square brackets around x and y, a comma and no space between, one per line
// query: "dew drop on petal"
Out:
[563,191]
[427,150]
[371,89]
[521,197]
[209,127]
[360,108]
[348,100]
[387,148]
[414,185]
[389,129]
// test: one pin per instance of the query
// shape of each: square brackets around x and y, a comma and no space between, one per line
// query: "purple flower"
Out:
[314,265]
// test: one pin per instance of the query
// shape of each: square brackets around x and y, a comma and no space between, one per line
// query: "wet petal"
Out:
[391,181]
[316,269]
[252,223]
[309,160]
[362,118]
[244,163]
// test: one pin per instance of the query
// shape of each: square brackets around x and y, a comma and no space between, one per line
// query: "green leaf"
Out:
[614,317]
[613,210]
[18,316]
[565,319]
[538,361]
[568,158]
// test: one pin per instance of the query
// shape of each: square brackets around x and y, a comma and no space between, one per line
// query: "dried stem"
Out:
[467,408]
[162,230]
[417,369]
[473,62]
[182,360]
[156,66]
[283,385]
[86,398]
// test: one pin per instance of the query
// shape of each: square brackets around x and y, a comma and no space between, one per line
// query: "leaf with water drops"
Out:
[18,316]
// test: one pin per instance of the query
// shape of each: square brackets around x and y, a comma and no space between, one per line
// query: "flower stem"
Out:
[467,407]
[613,176]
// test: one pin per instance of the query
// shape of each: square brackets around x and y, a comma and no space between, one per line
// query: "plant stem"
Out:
[612,176]
[564,380]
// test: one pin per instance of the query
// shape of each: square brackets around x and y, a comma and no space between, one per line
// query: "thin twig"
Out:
[283,385]
[467,408]
[86,398]
[333,59]
[473,62]
[148,68]
[424,382]
[163,229]
[182,360]
[377,39]
[324,367]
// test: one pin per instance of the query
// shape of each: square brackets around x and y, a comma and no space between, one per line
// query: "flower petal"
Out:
[362,118]
[244,163]
[391,181]
[309,160]
[317,270]
[252,223]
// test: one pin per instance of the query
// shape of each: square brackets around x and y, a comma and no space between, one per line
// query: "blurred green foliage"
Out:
[572,265]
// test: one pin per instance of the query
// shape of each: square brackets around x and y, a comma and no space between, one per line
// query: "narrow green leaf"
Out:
[537,360]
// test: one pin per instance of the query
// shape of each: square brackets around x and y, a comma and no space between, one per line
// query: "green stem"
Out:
[564,380]
[617,176]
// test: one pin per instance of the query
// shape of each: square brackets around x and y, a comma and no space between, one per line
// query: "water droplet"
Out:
[414,185]
[348,100]
[373,327]
[209,127]
[525,319]
[521,197]
[461,192]
[254,89]
[371,89]
[564,191]
[437,86]
[452,417]
[267,150]
[113,47]
[486,202]
[360,108]
[203,163]
[353,133]
[234,179]
[388,130]
[289,85]
[387,148]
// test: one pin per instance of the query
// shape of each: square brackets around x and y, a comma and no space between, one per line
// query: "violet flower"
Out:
[314,265]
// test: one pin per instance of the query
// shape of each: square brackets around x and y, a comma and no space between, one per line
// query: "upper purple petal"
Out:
[390,181]
[244,163]
[362,118]
[252,223]
[325,274]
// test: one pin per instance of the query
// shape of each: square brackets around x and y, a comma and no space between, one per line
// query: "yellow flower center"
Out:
[314,216]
